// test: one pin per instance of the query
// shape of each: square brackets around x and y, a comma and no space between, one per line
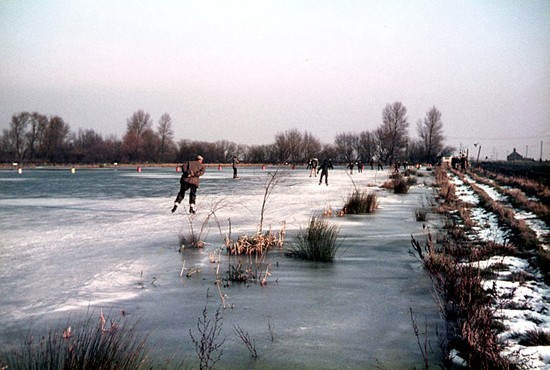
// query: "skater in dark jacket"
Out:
[234,164]
[350,166]
[191,171]
[324,167]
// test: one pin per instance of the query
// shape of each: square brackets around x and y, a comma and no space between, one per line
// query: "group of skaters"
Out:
[193,170]
[315,168]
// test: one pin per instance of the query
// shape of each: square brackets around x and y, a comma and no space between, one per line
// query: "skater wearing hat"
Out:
[191,171]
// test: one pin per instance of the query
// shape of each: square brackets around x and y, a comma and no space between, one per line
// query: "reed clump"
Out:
[318,242]
[93,344]
[361,202]
[399,184]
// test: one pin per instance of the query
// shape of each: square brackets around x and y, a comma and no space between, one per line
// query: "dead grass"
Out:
[361,202]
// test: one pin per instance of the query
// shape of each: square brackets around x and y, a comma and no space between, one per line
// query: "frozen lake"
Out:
[99,238]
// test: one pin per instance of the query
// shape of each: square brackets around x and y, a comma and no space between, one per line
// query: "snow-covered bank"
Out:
[522,298]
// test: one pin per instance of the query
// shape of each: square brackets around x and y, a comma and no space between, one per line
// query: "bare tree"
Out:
[87,147]
[392,135]
[261,154]
[16,135]
[225,150]
[311,146]
[55,139]
[150,143]
[166,136]
[35,134]
[329,152]
[133,141]
[366,147]
[289,146]
[346,143]
[139,123]
[430,131]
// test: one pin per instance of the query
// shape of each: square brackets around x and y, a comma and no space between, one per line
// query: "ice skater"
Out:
[191,171]
[324,170]
[350,166]
[234,164]
[312,166]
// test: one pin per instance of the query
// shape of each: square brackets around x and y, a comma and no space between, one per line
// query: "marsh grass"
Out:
[535,337]
[256,244]
[83,345]
[247,271]
[471,318]
[361,202]
[319,242]
[465,306]
[398,183]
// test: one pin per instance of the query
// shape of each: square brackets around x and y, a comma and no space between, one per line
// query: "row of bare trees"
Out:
[36,138]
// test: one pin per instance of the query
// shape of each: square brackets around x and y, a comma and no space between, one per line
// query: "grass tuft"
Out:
[319,242]
[87,345]
[361,202]
[533,337]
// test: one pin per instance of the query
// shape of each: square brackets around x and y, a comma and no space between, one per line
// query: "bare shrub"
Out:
[423,344]
[208,340]
[194,239]
[248,342]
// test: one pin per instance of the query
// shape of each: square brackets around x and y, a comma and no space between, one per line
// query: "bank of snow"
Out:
[523,300]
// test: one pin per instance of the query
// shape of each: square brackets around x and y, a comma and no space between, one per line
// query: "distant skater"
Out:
[191,171]
[324,170]
[359,166]
[234,164]
[312,166]
[350,166]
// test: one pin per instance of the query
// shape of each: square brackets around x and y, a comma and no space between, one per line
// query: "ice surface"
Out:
[107,239]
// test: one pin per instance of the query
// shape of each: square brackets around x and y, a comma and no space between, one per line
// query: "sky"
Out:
[244,71]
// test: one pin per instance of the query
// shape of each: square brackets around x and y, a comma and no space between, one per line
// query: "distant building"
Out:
[515,156]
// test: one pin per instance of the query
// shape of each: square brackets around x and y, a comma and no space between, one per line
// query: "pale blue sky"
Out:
[245,70]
